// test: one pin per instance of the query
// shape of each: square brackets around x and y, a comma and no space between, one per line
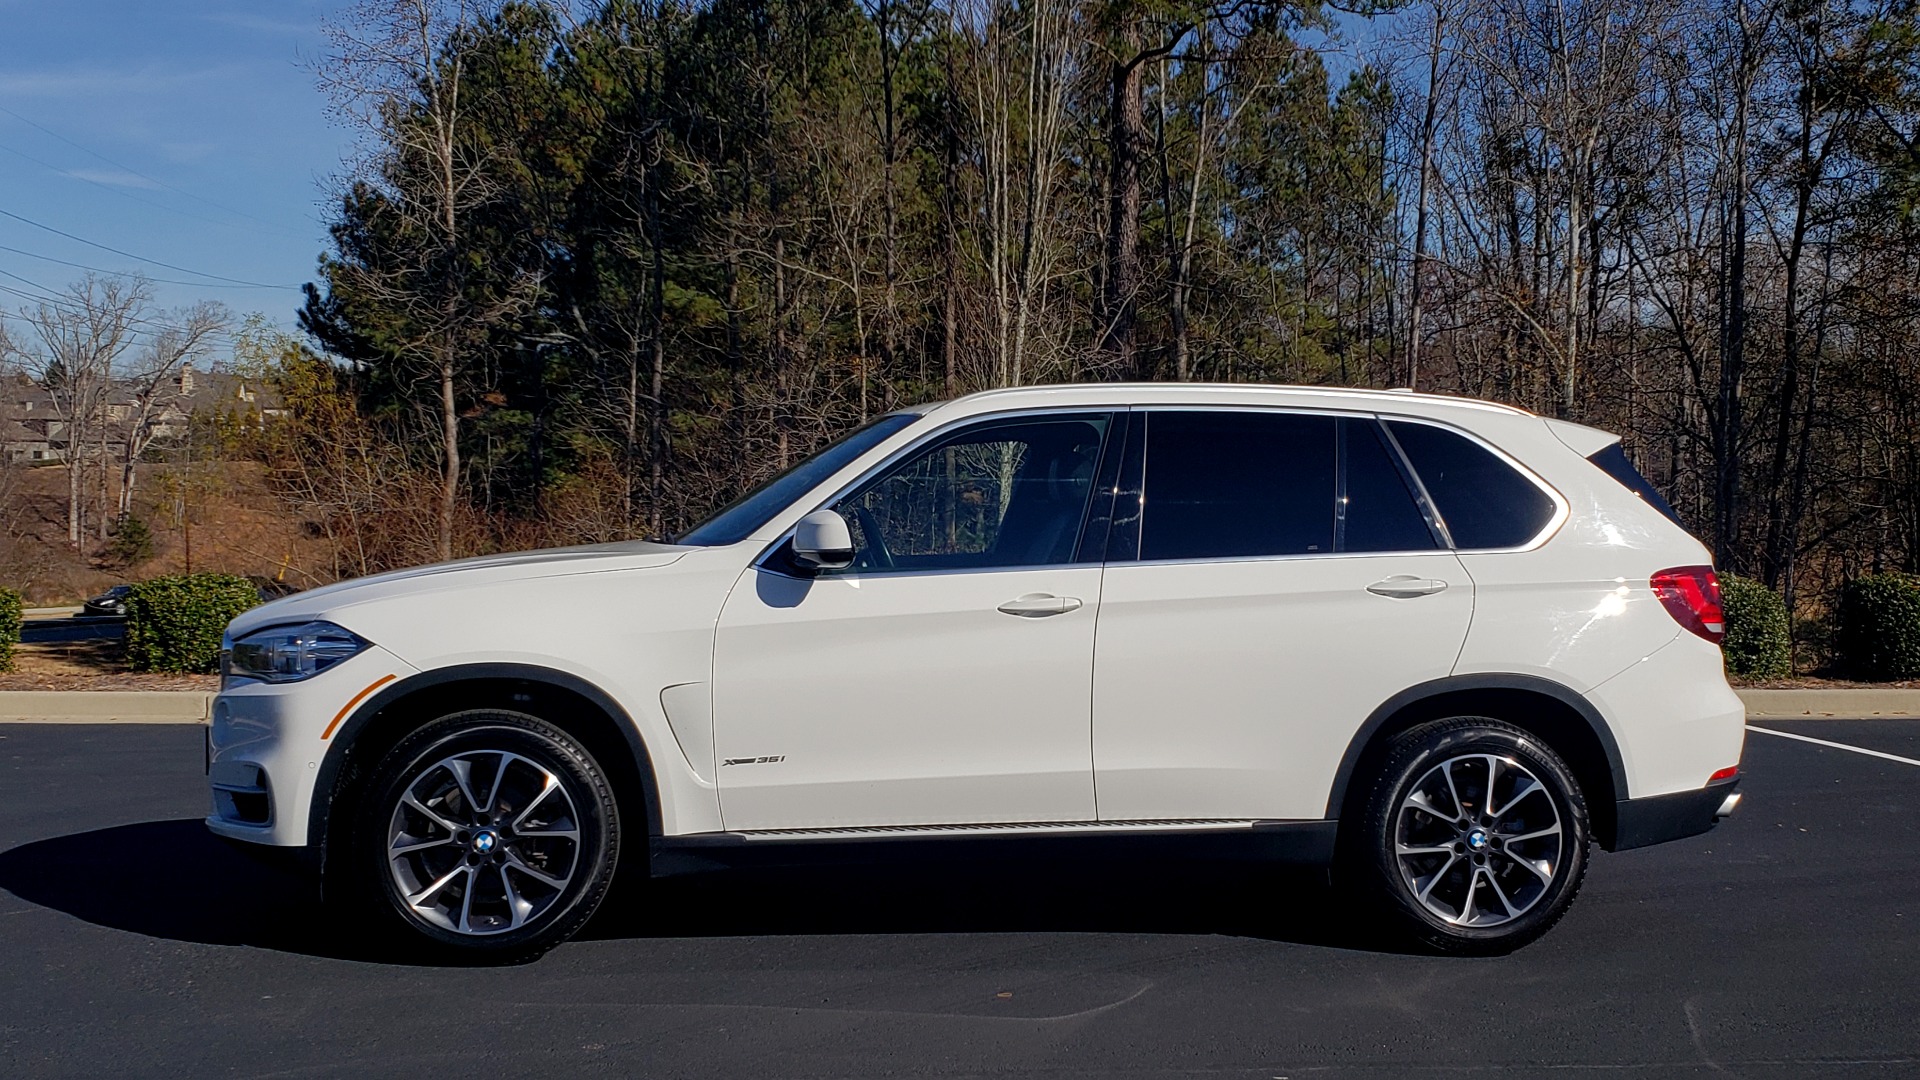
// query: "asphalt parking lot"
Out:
[1784,943]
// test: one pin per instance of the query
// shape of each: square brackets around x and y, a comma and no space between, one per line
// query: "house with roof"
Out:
[33,430]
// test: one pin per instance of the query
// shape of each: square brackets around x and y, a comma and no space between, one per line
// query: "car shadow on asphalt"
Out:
[174,880]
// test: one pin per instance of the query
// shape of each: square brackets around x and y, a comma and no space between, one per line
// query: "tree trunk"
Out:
[1777,559]
[450,441]
[1733,341]
[1126,136]
[1427,128]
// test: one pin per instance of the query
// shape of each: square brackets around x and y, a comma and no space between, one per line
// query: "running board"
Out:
[1012,828]
[1236,839]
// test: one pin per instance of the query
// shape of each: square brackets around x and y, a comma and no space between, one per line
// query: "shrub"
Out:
[1877,635]
[174,623]
[132,542]
[10,607]
[1759,641]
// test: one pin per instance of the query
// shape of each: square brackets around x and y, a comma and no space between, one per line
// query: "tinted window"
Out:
[1482,500]
[1378,511]
[1613,461]
[740,518]
[999,494]
[1225,484]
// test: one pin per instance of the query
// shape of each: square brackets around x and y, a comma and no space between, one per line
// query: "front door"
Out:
[1279,583]
[944,678]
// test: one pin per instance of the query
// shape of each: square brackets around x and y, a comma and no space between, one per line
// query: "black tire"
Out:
[498,903]
[1480,898]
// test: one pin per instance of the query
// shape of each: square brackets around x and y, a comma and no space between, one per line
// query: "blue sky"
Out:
[187,131]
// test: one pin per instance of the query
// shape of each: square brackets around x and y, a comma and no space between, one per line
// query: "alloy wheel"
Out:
[483,842]
[1478,839]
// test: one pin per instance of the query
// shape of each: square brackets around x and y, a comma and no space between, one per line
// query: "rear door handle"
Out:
[1039,605]
[1406,587]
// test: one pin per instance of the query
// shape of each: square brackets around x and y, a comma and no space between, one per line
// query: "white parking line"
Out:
[1835,745]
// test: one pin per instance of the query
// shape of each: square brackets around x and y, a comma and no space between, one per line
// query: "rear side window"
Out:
[1613,461]
[1377,511]
[1237,485]
[1482,500]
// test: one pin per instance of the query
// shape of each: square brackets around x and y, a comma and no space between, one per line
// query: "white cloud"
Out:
[264,24]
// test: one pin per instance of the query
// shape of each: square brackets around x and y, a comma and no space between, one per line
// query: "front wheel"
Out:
[487,835]
[1474,839]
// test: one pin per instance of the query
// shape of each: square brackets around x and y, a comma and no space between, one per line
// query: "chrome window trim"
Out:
[1427,508]
[1299,557]
[1562,508]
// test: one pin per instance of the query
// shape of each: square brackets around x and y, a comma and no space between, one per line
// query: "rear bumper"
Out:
[1660,818]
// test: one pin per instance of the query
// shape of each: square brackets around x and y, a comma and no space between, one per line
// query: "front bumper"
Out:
[1660,818]
[266,741]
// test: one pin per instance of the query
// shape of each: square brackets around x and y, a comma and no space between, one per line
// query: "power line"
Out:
[142,258]
[147,337]
[46,295]
[136,172]
[120,273]
[237,282]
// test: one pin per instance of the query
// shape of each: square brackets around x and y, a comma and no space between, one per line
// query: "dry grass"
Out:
[236,526]
[89,665]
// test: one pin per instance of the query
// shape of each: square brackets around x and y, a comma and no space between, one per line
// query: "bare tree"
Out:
[151,383]
[394,74]
[72,347]
[1022,64]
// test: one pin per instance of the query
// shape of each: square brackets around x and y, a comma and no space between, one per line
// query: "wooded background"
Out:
[599,267]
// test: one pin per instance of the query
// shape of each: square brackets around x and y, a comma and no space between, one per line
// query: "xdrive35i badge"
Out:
[769,760]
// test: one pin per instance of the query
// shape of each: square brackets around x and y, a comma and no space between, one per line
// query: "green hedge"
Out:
[1877,635]
[174,623]
[10,607]
[1759,643]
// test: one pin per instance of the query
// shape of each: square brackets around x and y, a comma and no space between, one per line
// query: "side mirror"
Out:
[822,541]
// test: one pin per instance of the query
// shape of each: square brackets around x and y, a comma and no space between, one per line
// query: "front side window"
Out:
[1237,485]
[1484,502]
[1005,493]
[741,518]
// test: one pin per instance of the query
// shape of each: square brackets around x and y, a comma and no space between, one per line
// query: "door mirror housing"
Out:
[822,541]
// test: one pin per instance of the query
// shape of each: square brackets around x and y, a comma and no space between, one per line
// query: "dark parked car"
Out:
[112,603]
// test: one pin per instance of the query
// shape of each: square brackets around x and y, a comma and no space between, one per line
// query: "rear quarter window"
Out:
[1485,502]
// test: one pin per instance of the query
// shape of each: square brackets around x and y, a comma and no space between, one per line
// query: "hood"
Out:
[458,574]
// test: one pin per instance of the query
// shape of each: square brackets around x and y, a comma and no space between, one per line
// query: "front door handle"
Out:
[1039,605]
[1406,587]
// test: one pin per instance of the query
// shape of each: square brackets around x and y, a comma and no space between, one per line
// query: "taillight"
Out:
[1692,596]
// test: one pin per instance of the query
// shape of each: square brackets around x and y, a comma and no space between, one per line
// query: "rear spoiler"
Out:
[1603,449]
[1581,439]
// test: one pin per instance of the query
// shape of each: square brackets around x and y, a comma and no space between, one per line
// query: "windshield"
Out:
[740,518]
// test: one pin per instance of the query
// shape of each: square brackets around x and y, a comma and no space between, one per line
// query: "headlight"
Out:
[291,653]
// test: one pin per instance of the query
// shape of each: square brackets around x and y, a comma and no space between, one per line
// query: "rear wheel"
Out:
[487,835]
[1474,838]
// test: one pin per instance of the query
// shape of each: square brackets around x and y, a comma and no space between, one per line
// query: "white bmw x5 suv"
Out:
[1441,644]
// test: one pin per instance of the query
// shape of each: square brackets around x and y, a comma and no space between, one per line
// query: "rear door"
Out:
[1279,579]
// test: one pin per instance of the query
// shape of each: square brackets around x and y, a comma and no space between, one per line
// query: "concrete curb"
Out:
[194,706]
[105,706]
[1863,702]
